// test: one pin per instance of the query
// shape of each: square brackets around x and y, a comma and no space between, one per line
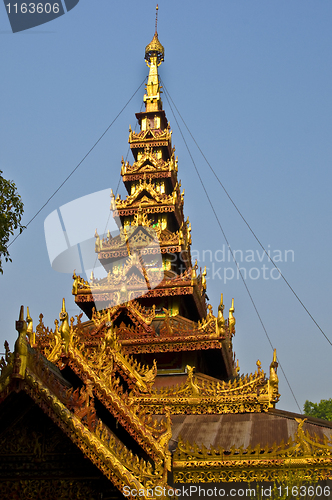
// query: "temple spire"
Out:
[154,56]
[157,8]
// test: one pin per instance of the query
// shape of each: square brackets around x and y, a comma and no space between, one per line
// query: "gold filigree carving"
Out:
[249,393]
[304,453]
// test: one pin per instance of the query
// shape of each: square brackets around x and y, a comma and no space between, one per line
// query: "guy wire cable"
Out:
[229,247]
[117,187]
[245,221]
[74,170]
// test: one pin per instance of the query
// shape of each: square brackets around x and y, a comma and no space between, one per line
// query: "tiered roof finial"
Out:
[156,18]
[154,49]
[154,56]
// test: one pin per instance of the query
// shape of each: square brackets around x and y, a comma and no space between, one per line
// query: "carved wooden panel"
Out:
[38,461]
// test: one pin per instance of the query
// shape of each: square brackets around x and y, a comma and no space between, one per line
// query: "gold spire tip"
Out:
[155,48]
[157,8]
[21,316]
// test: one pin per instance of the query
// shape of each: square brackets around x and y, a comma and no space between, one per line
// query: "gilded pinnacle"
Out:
[154,49]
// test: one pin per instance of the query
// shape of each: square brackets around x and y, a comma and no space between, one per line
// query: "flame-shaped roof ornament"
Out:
[154,49]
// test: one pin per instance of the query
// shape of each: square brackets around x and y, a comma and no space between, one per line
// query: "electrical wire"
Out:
[229,247]
[117,187]
[80,163]
[247,224]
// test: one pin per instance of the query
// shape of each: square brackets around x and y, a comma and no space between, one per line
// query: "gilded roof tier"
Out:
[99,381]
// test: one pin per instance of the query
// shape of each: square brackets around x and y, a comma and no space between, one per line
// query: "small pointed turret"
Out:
[204,278]
[273,368]
[221,319]
[64,328]
[231,319]
[30,332]
[20,323]
[273,381]
[21,346]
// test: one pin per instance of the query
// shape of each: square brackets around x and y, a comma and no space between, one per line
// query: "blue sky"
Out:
[253,83]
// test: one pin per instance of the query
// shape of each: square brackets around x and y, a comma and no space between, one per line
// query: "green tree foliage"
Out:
[323,409]
[11,211]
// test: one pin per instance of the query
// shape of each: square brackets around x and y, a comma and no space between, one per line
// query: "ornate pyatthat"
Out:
[88,408]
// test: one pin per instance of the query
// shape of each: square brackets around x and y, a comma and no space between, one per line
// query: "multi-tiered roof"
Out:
[153,293]
[146,394]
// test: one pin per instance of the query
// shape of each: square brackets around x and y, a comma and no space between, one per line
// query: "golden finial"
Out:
[193,273]
[113,204]
[19,323]
[190,381]
[221,319]
[64,328]
[30,332]
[154,52]
[157,8]
[21,346]
[273,367]
[231,319]
[97,243]
[74,290]
[204,279]
[273,381]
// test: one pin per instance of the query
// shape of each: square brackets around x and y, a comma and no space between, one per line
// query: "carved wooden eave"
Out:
[151,201]
[73,412]
[141,316]
[147,432]
[108,290]
[140,196]
[176,343]
[304,457]
[201,395]
[152,208]
[154,241]
[171,337]
[148,165]
[101,363]
[152,138]
[117,247]
[155,175]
